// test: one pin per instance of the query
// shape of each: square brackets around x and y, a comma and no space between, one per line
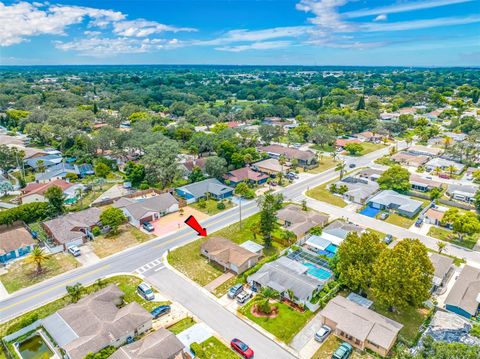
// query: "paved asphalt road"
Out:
[175,287]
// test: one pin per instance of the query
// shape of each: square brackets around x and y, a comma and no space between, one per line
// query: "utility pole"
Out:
[240,212]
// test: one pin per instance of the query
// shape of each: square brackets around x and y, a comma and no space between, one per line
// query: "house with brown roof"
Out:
[298,221]
[245,174]
[369,136]
[409,159]
[304,158]
[271,166]
[140,210]
[161,344]
[340,143]
[72,228]
[434,216]
[363,328]
[228,255]
[97,321]
[15,242]
[464,297]
[34,192]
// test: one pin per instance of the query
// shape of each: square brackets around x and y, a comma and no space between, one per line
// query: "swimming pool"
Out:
[370,211]
[318,272]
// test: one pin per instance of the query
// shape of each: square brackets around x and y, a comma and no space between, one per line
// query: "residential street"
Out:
[213,314]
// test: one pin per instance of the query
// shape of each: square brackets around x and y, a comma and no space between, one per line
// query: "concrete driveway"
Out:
[88,256]
[174,221]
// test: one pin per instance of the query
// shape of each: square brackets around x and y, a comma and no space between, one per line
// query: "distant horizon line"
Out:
[254,65]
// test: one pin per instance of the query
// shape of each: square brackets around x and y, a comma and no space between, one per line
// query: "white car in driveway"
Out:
[323,333]
[74,251]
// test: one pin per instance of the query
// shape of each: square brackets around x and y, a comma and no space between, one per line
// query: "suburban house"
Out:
[61,170]
[464,193]
[298,221]
[72,228]
[340,143]
[271,166]
[359,189]
[388,199]
[229,255]
[444,165]
[371,174]
[15,242]
[304,158]
[360,326]
[423,184]
[34,192]
[408,159]
[369,136]
[189,165]
[331,237]
[149,209]
[443,267]
[420,150]
[464,297]
[285,274]
[434,215]
[45,161]
[161,344]
[210,187]
[245,174]
[97,321]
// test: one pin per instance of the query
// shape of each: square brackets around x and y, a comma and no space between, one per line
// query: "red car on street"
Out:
[240,347]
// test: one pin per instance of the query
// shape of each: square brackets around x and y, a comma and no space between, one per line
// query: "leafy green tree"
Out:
[477,200]
[435,193]
[161,162]
[395,178]
[244,191]
[135,173]
[102,170]
[56,199]
[196,175]
[462,224]
[269,205]
[356,257]
[361,103]
[215,166]
[113,217]
[402,276]
[75,291]
[10,157]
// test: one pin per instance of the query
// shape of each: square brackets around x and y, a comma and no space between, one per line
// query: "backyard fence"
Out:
[23,331]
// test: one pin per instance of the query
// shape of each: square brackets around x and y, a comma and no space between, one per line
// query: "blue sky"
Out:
[307,32]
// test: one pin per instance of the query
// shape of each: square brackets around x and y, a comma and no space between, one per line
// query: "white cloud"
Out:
[104,47]
[144,28]
[420,24]
[266,45]
[381,17]
[402,7]
[22,20]
[327,17]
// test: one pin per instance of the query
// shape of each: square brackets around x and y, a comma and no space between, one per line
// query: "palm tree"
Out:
[41,166]
[264,297]
[447,141]
[341,167]
[334,155]
[37,256]
[437,170]
[451,169]
[441,246]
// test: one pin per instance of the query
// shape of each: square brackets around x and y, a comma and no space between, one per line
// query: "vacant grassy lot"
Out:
[188,260]
[22,274]
[212,348]
[326,163]
[322,193]
[447,235]
[211,206]
[285,325]
[331,344]
[400,221]
[182,325]
[369,147]
[128,236]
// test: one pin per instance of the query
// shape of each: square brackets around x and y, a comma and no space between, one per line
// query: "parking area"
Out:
[87,256]
[175,221]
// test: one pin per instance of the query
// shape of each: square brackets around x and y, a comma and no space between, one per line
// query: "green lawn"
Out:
[447,235]
[188,260]
[400,221]
[212,348]
[87,200]
[22,274]
[385,160]
[322,193]
[369,147]
[182,325]
[326,163]
[211,206]
[128,236]
[285,325]
[326,148]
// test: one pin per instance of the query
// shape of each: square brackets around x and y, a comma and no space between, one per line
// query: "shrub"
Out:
[143,186]
[220,205]
[96,231]
[26,320]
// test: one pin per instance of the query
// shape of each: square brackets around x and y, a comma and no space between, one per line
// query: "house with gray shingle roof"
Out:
[363,328]
[464,193]
[464,297]
[298,221]
[97,321]
[140,210]
[210,187]
[389,199]
[359,189]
